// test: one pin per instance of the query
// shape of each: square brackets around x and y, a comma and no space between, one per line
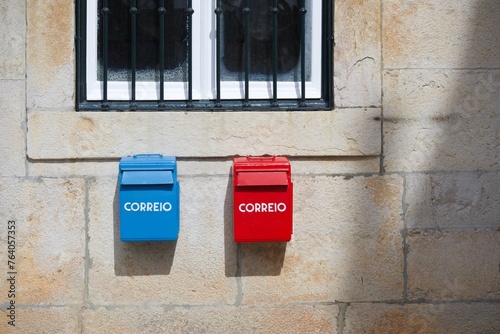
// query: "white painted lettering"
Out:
[257,207]
[147,206]
[262,207]
[281,207]
[167,206]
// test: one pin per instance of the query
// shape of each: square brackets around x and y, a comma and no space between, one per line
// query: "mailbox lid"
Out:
[148,162]
[261,171]
[278,178]
[147,169]
[139,177]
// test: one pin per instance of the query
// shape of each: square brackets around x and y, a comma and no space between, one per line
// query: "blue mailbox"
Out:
[149,198]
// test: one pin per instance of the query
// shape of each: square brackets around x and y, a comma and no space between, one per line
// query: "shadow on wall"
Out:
[442,119]
[447,119]
[441,125]
[134,258]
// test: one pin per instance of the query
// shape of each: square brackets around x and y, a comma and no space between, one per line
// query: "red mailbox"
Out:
[263,199]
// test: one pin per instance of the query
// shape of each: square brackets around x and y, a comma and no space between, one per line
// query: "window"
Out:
[204,54]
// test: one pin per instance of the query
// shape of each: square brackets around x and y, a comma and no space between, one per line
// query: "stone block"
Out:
[50,55]
[49,238]
[12,39]
[42,321]
[346,246]
[441,34]
[334,165]
[191,270]
[453,200]
[12,127]
[279,319]
[423,318]
[84,135]
[357,79]
[207,167]
[441,120]
[444,265]
[73,168]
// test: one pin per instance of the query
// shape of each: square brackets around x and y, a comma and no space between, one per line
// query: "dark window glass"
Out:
[260,32]
[119,37]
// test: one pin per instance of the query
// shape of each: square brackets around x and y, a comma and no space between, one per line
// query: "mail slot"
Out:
[263,198]
[149,198]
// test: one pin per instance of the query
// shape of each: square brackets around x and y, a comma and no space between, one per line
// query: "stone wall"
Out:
[396,204]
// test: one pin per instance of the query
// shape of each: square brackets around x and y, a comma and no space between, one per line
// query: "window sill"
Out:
[91,135]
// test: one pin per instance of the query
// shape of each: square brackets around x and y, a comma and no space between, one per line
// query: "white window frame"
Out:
[204,65]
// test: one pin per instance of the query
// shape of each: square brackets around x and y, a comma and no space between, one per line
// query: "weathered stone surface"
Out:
[12,39]
[423,318]
[41,321]
[50,55]
[49,236]
[340,165]
[347,245]
[74,168]
[345,132]
[282,319]
[441,34]
[453,200]
[453,265]
[220,167]
[12,127]
[189,271]
[357,79]
[441,120]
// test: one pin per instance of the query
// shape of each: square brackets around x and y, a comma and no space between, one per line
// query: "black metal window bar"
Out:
[275,103]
